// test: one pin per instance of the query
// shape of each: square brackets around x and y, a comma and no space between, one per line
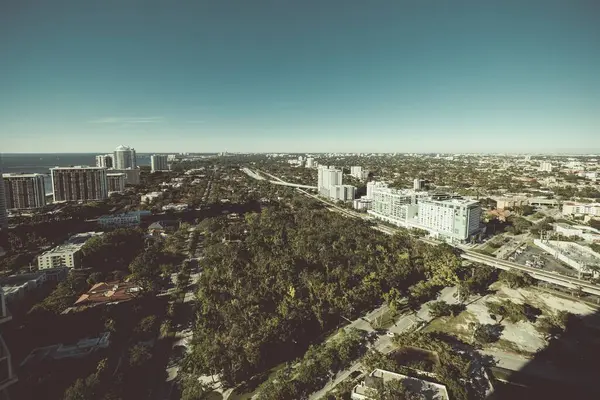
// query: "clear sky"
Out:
[300,75]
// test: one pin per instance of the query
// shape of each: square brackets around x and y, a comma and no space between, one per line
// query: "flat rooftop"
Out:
[429,390]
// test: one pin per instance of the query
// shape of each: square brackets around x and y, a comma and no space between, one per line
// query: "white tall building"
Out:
[80,183]
[24,191]
[342,192]
[124,158]
[3,214]
[545,166]
[104,161]
[328,177]
[356,172]
[310,162]
[418,184]
[158,162]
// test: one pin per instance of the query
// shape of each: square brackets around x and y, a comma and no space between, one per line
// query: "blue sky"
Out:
[300,75]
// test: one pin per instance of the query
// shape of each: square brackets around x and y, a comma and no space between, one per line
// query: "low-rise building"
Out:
[108,292]
[149,197]
[165,226]
[572,208]
[510,202]
[128,219]
[585,232]
[17,286]
[82,348]
[175,207]
[66,255]
[362,204]
[367,389]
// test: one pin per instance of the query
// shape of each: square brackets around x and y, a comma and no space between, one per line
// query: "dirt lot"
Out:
[522,337]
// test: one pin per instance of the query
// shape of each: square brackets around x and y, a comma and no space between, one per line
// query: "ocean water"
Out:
[41,163]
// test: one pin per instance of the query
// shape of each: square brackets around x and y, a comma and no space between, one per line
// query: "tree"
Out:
[146,270]
[193,389]
[463,291]
[513,312]
[138,355]
[95,277]
[146,325]
[516,279]
[486,333]
[83,389]
[439,309]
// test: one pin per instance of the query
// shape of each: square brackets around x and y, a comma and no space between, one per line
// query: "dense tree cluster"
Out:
[290,275]
[316,367]
[516,279]
[513,312]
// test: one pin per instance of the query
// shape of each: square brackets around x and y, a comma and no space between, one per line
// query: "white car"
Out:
[391,334]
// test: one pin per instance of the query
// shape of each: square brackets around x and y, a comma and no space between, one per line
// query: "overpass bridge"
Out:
[551,277]
[275,181]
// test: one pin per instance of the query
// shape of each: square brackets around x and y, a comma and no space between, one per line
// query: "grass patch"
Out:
[456,326]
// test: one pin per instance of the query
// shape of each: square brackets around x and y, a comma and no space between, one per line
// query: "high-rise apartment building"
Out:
[132,176]
[3,213]
[310,162]
[328,177]
[116,182]
[104,161]
[124,158]
[80,183]
[158,162]
[24,191]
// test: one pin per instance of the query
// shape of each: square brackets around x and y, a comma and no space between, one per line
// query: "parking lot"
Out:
[532,253]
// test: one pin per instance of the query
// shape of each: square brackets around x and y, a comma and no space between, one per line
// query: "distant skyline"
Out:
[300,76]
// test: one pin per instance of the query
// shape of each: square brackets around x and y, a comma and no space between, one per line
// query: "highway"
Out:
[276,180]
[539,274]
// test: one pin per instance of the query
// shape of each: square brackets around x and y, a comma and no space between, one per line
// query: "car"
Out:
[391,334]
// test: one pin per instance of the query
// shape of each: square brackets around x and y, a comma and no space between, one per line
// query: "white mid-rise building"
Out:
[159,162]
[545,166]
[124,158]
[572,208]
[342,192]
[80,183]
[66,255]
[450,219]
[310,162]
[24,191]
[418,184]
[105,161]
[454,219]
[327,178]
